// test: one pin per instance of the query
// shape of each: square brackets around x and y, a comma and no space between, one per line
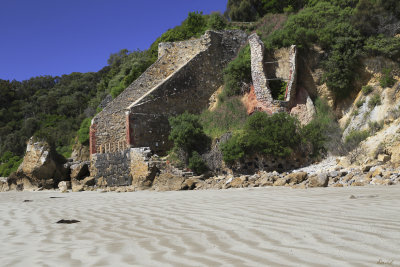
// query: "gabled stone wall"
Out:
[110,123]
[183,78]
[189,89]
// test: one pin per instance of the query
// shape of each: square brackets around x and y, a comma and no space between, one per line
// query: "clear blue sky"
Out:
[55,37]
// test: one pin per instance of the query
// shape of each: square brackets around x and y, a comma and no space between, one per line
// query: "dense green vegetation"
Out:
[189,139]
[227,116]
[277,135]
[9,163]
[346,30]
[46,106]
[387,79]
[354,138]
[251,10]
[237,73]
[375,100]
[187,133]
[280,135]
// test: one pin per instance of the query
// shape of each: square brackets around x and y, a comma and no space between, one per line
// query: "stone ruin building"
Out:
[183,78]
[281,65]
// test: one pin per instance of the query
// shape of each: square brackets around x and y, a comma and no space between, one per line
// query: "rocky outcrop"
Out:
[80,152]
[41,168]
[168,182]
[79,170]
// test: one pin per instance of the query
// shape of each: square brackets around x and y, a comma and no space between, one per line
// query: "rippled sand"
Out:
[239,227]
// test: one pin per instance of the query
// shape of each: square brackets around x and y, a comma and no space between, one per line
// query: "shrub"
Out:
[383,46]
[375,100]
[360,103]
[228,116]
[216,21]
[196,163]
[387,79]
[238,72]
[367,89]
[323,132]
[277,135]
[194,25]
[9,163]
[375,126]
[354,138]
[83,132]
[278,89]
[116,90]
[187,133]
[355,112]
[65,151]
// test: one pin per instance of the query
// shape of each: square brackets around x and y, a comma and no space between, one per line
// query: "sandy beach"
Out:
[353,226]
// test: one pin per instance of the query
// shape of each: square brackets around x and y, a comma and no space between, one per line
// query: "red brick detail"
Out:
[92,139]
[129,139]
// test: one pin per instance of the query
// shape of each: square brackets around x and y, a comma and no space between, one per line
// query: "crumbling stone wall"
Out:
[112,167]
[258,73]
[281,68]
[186,90]
[183,78]
[110,123]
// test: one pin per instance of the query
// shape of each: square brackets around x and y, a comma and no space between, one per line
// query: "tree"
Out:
[187,133]
[216,21]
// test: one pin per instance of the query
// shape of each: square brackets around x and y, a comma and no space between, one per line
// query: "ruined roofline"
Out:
[184,48]
[206,38]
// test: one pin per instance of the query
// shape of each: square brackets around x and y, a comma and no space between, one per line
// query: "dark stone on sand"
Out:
[68,221]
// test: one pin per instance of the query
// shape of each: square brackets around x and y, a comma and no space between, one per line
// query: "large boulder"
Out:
[41,167]
[80,152]
[143,168]
[318,180]
[296,177]
[168,182]
[4,184]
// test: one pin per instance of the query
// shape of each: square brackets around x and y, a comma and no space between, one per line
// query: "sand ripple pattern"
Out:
[238,227]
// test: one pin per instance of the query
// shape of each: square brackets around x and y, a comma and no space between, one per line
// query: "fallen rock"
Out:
[377,171]
[366,168]
[190,183]
[76,185]
[237,182]
[280,182]
[296,177]
[88,181]
[41,167]
[168,182]
[64,186]
[319,180]
[383,158]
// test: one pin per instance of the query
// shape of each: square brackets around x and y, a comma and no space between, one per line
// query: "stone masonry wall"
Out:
[186,90]
[114,167]
[258,73]
[110,122]
[283,67]
[183,78]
